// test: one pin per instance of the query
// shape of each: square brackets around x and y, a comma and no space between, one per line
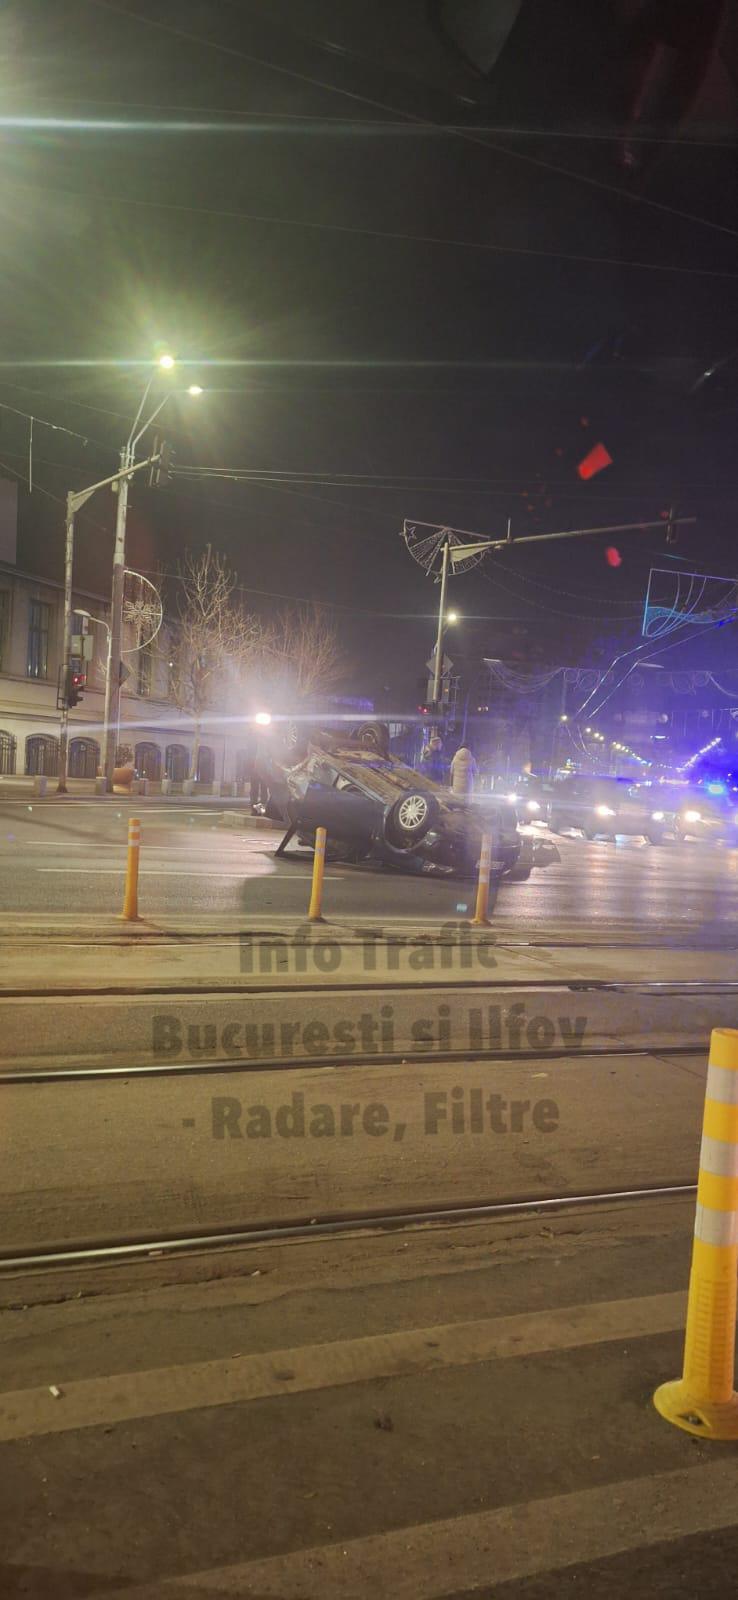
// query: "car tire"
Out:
[410,818]
[655,837]
[374,736]
[557,824]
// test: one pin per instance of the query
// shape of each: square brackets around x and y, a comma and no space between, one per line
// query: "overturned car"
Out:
[378,810]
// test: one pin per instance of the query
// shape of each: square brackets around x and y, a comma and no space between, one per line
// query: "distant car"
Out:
[531,797]
[376,809]
[607,806]
[707,816]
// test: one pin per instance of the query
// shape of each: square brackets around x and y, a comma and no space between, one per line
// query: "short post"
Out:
[480,918]
[130,900]
[315,913]
[703,1401]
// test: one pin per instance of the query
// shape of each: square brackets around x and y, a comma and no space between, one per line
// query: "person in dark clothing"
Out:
[257,779]
[432,761]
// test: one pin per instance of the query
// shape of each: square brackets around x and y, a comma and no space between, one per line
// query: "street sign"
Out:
[446,664]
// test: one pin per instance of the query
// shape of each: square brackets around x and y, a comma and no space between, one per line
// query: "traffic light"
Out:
[76,685]
[161,470]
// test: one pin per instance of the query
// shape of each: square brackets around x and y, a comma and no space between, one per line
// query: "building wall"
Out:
[28,704]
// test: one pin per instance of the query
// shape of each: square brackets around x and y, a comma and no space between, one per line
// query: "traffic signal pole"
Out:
[61,787]
[75,500]
[112,678]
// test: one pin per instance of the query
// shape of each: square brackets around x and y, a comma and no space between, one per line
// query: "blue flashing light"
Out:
[716,788]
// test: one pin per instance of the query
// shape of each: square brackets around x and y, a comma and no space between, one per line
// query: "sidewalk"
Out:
[423,1415]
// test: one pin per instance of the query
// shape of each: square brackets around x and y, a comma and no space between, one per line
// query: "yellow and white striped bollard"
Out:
[703,1401]
[130,898]
[480,918]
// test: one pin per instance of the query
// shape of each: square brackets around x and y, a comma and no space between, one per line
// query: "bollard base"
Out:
[707,1419]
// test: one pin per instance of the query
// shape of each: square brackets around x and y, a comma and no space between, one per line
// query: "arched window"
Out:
[177,762]
[205,765]
[147,760]
[84,758]
[7,754]
[42,755]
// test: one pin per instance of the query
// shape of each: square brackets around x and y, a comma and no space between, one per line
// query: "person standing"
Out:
[432,763]
[257,786]
[463,772]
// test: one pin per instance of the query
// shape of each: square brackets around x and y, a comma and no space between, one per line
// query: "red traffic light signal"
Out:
[76,685]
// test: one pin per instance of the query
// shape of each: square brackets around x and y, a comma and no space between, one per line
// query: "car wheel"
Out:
[655,837]
[589,833]
[555,823]
[374,736]
[411,817]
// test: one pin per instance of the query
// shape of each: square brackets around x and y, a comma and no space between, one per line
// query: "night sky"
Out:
[423,289]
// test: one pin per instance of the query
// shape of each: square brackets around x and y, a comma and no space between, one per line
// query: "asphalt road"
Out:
[209,1151]
[67,856]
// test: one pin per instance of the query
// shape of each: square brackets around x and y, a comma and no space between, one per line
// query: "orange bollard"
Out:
[130,898]
[480,918]
[703,1401]
[315,912]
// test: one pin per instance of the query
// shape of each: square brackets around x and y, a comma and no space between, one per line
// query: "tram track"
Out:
[154,1245]
[180,1069]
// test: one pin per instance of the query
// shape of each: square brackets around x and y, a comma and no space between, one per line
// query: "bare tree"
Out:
[214,642]
[305,652]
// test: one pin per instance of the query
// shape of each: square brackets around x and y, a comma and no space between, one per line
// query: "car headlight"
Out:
[657,816]
[532,805]
[513,798]
[693,816]
[605,811]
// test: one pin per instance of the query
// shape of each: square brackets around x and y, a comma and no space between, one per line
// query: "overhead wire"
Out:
[355,231]
[409,116]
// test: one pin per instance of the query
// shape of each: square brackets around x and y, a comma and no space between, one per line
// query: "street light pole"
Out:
[75,500]
[437,671]
[127,460]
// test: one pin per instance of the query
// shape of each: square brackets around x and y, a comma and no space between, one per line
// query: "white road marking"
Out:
[180,872]
[482,1550]
[155,1392]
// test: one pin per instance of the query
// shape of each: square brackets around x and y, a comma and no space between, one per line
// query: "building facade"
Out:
[153,734]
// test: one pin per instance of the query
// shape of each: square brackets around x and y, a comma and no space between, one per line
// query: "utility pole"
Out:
[438,667]
[75,500]
[112,681]
[61,787]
